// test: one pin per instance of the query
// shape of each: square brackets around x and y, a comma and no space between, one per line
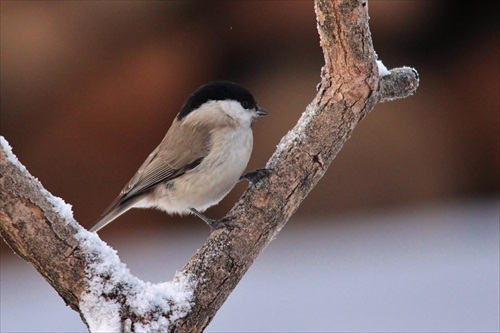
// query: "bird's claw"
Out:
[213,224]
[256,176]
[223,223]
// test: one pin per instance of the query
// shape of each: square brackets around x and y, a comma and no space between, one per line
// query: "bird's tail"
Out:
[111,214]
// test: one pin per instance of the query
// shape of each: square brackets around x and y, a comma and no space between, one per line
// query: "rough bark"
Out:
[37,233]
[349,89]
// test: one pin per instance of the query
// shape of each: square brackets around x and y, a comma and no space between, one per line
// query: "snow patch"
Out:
[107,276]
[103,318]
[10,155]
[382,70]
[61,207]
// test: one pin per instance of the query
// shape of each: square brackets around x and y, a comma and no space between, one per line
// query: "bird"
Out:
[200,159]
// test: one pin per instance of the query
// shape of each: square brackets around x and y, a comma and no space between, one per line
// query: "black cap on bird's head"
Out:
[219,91]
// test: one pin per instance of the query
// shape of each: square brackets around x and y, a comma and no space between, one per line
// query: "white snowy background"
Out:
[431,269]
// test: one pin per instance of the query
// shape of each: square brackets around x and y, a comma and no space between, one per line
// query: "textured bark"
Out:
[38,234]
[349,89]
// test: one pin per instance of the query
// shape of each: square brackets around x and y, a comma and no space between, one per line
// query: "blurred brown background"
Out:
[88,89]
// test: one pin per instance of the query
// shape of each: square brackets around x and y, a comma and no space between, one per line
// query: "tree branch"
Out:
[89,276]
[399,83]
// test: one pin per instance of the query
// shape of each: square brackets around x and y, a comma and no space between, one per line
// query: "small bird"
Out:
[201,158]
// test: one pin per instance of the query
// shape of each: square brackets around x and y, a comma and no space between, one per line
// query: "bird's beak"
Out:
[261,112]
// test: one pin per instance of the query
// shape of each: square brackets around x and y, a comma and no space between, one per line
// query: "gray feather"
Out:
[112,214]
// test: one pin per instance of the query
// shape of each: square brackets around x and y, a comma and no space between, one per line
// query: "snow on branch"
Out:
[88,274]
[40,228]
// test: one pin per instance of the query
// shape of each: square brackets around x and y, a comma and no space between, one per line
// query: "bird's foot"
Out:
[213,224]
[256,176]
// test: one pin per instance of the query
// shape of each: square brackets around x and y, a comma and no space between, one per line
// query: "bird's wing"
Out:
[162,166]
[156,171]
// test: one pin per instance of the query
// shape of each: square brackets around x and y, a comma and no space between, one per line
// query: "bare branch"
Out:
[400,83]
[80,267]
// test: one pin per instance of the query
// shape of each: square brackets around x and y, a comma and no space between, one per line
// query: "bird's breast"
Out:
[214,177]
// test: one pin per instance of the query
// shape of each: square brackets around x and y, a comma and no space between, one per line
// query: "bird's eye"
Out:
[244,105]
